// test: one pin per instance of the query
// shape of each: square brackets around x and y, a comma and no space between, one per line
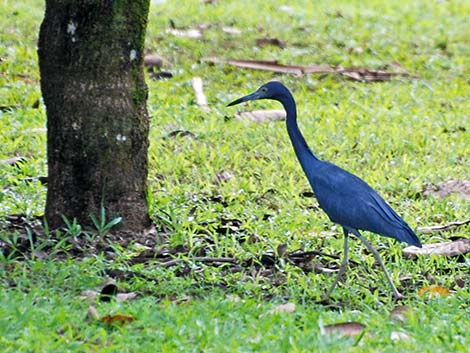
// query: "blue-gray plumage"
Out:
[346,199]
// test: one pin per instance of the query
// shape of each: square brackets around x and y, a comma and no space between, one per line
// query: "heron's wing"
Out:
[351,202]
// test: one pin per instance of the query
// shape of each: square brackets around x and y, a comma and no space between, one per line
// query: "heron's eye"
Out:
[264,89]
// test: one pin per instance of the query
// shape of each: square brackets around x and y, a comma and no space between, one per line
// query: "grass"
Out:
[400,136]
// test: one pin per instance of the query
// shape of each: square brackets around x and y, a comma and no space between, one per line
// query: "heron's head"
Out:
[272,90]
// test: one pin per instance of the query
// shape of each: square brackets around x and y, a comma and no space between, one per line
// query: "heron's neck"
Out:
[303,152]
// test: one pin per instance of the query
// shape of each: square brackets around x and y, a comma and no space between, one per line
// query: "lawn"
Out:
[226,187]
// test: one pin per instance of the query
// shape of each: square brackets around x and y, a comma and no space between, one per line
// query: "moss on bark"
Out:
[91,62]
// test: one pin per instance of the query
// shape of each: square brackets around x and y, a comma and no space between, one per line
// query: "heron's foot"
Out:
[397,295]
[338,278]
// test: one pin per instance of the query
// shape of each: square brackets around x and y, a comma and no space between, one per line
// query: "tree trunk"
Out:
[91,64]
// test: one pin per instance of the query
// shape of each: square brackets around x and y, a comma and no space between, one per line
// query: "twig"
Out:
[312,252]
[448,226]
[174,262]
[317,253]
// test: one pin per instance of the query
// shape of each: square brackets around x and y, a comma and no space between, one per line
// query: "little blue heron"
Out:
[346,199]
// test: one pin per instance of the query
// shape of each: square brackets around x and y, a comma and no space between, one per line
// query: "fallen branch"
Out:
[312,253]
[174,262]
[360,74]
[449,249]
[451,225]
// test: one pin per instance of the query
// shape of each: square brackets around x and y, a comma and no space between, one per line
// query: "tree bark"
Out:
[92,81]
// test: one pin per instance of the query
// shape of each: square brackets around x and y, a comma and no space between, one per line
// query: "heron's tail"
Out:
[407,235]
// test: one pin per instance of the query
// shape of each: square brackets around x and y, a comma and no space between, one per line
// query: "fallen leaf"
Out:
[286,8]
[433,291]
[460,187]
[460,282]
[92,295]
[180,300]
[37,130]
[452,248]
[231,30]
[283,308]
[89,294]
[399,313]
[400,336]
[262,116]
[92,314]
[234,298]
[194,33]
[263,42]
[15,161]
[122,297]
[160,75]
[367,75]
[117,319]
[448,226]
[223,176]
[201,99]
[281,249]
[153,60]
[344,329]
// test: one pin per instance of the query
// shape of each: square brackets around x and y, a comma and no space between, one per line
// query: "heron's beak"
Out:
[250,97]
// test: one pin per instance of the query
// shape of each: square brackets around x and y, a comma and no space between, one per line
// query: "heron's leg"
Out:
[343,267]
[396,293]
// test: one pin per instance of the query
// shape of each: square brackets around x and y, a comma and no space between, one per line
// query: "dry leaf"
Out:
[89,294]
[460,282]
[344,329]
[193,33]
[262,116]
[452,248]
[281,249]
[399,313]
[231,30]
[223,176]
[92,295]
[263,42]
[367,75]
[15,161]
[92,314]
[400,336]
[286,8]
[117,319]
[153,60]
[201,99]
[433,291]
[37,130]
[122,297]
[283,308]
[460,187]
[181,300]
